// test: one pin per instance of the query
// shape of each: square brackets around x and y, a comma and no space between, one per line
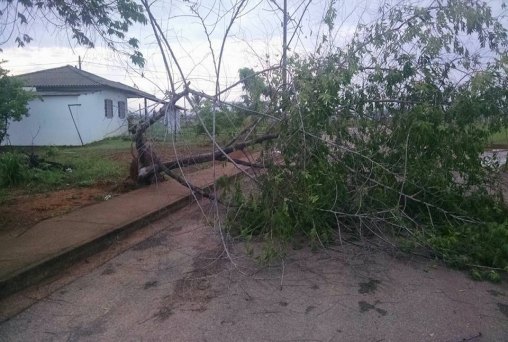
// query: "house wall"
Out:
[50,122]
[94,125]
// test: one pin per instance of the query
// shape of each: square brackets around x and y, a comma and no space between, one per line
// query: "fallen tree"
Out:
[380,138]
[219,155]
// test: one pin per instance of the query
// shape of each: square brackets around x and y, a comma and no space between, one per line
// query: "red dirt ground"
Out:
[21,211]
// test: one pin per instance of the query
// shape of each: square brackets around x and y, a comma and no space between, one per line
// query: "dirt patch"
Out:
[20,212]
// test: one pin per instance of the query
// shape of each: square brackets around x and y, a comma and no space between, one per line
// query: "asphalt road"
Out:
[179,285]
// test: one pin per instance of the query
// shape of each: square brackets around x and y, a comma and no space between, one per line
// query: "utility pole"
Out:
[284,47]
[285,97]
[79,62]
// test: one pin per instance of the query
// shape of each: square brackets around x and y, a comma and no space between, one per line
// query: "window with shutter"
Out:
[108,108]
[121,109]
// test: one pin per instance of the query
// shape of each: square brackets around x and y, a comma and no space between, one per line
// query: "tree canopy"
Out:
[254,87]
[13,101]
[384,138]
[86,20]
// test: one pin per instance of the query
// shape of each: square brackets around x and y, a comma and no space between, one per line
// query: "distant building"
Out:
[74,107]
[172,120]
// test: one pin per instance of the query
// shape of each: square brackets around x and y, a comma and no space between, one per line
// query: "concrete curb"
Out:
[52,265]
[46,268]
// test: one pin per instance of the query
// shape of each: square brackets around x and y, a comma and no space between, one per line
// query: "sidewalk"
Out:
[56,243]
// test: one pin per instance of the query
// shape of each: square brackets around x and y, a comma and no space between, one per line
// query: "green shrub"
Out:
[13,169]
[51,151]
[226,121]
[473,244]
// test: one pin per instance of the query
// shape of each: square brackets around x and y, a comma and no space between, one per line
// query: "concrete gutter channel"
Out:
[53,264]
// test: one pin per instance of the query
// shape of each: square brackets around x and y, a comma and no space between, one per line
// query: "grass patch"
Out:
[12,170]
[188,135]
[82,172]
[499,139]
[78,166]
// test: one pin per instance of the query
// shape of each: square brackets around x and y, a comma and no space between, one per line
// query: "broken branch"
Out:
[205,157]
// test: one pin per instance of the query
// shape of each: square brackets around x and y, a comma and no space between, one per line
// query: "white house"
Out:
[74,107]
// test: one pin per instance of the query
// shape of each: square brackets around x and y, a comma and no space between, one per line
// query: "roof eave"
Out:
[133,95]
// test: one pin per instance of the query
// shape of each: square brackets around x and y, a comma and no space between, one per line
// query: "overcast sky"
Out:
[257,33]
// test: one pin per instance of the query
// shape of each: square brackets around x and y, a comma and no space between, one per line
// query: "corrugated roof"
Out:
[74,78]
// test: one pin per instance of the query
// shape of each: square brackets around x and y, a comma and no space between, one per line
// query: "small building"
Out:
[73,107]
[172,120]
